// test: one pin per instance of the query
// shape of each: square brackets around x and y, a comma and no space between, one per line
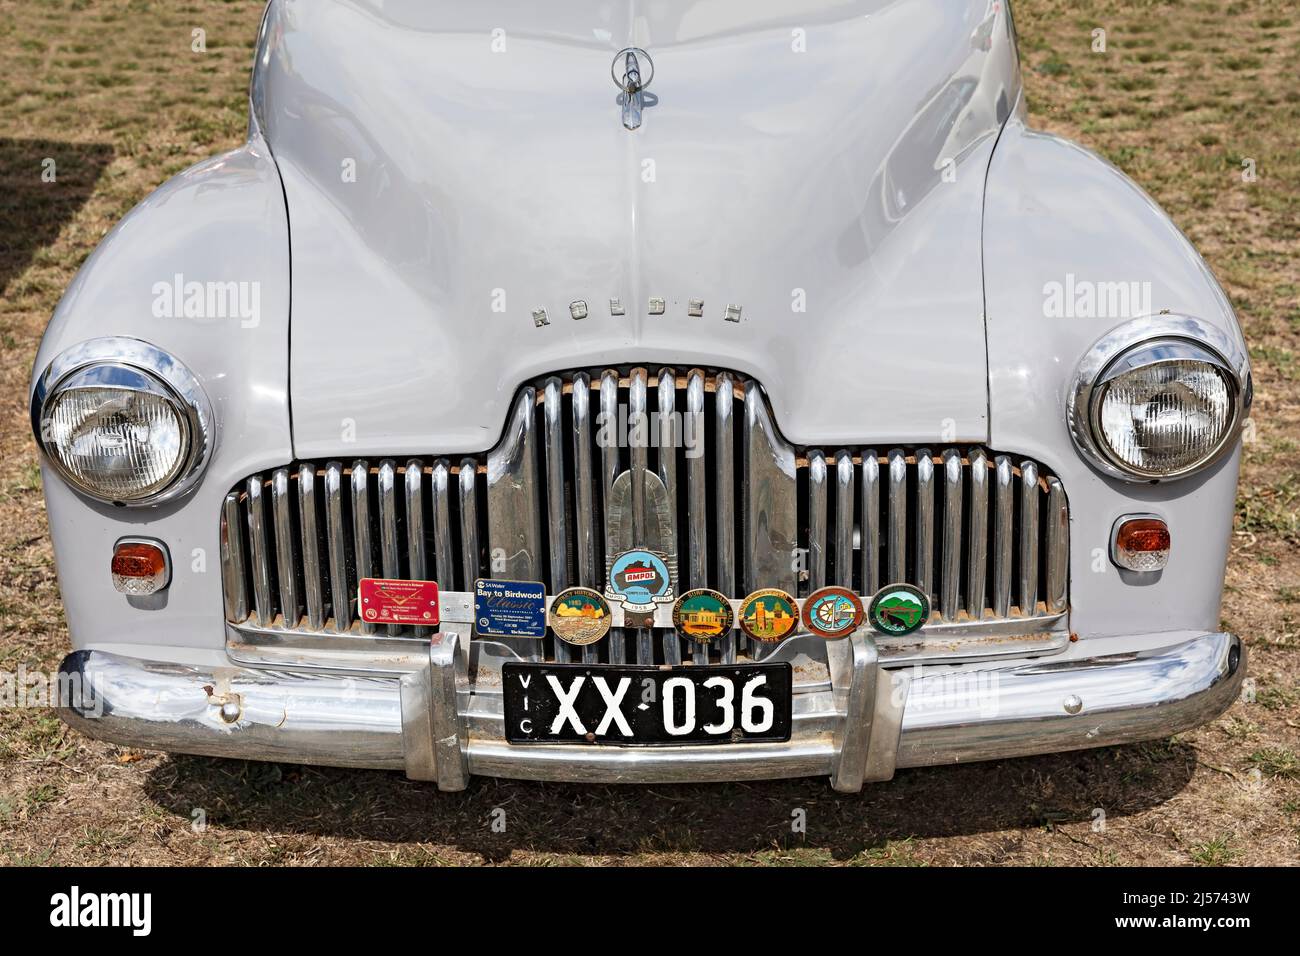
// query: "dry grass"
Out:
[1185,93]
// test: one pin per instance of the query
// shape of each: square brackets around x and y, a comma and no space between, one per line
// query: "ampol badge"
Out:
[640,580]
[389,601]
[769,615]
[898,609]
[703,615]
[579,616]
[832,612]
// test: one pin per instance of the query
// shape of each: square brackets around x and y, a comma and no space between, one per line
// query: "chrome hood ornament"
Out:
[633,98]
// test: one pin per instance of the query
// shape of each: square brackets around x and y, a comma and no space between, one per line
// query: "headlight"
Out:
[122,422]
[1163,407]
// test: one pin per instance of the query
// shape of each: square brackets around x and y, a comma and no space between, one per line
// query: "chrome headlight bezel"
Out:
[130,364]
[1179,338]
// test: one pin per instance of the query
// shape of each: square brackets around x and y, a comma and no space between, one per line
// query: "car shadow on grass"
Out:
[43,183]
[578,820]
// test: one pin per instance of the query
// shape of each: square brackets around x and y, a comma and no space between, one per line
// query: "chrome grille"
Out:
[986,535]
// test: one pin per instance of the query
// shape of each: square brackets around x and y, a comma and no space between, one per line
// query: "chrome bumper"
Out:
[858,726]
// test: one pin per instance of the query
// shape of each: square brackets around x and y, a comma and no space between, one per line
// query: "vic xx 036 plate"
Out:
[646,706]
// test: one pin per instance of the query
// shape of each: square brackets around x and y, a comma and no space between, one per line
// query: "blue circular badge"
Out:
[639,577]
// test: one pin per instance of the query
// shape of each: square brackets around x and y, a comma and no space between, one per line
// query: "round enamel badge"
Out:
[769,615]
[832,612]
[898,609]
[579,616]
[703,615]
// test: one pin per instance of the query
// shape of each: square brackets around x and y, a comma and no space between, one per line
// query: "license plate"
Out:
[646,706]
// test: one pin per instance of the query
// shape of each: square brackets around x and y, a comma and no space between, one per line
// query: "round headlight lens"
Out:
[1164,409]
[117,433]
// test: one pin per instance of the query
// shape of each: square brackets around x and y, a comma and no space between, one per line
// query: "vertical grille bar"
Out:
[361,530]
[639,426]
[286,558]
[609,469]
[1058,546]
[697,529]
[816,521]
[870,522]
[925,521]
[584,498]
[666,404]
[977,540]
[389,549]
[950,573]
[553,444]
[258,546]
[337,543]
[843,519]
[1028,537]
[1003,500]
[896,547]
[514,506]
[440,500]
[312,579]
[725,500]
[469,554]
[416,553]
[234,569]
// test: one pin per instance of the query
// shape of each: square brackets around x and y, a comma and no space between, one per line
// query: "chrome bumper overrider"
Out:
[857,726]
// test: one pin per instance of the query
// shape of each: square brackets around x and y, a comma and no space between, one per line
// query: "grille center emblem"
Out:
[633,83]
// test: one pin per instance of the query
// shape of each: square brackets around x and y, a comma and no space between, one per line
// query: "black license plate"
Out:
[646,706]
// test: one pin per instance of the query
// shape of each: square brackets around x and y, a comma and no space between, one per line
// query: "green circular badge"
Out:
[898,609]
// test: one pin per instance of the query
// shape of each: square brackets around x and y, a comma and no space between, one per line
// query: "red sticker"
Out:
[386,601]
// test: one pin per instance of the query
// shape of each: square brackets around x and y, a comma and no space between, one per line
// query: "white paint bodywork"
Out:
[774,171]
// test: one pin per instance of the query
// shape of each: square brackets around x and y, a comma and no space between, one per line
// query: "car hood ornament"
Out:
[626,71]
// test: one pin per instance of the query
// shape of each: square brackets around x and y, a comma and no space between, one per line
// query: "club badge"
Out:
[898,609]
[579,616]
[769,615]
[509,609]
[832,612]
[640,580]
[702,615]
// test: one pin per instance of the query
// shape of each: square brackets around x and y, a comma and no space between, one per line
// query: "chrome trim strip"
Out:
[694,424]
[362,547]
[896,557]
[258,548]
[313,579]
[843,564]
[337,543]
[584,497]
[609,471]
[1028,592]
[1003,501]
[285,550]
[514,511]
[416,553]
[444,566]
[925,522]
[870,522]
[233,566]
[950,572]
[816,520]
[638,423]
[666,458]
[1058,546]
[467,479]
[977,544]
[389,549]
[725,499]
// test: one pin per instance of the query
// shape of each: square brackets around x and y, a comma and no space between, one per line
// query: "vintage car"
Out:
[687,391]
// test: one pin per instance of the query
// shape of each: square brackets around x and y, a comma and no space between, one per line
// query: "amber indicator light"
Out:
[1140,535]
[138,561]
